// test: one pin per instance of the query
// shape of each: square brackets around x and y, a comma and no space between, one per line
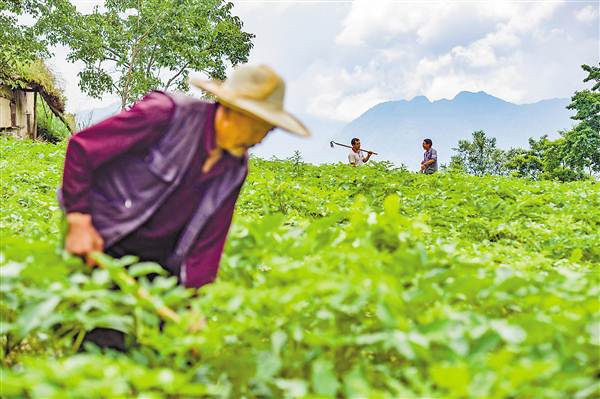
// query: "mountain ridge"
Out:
[398,127]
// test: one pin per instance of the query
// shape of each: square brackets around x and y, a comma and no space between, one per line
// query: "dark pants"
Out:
[107,337]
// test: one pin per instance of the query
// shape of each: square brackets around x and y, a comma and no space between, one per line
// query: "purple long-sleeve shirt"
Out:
[137,129]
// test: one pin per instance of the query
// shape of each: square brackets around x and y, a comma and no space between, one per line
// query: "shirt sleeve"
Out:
[434,154]
[351,159]
[134,129]
[202,263]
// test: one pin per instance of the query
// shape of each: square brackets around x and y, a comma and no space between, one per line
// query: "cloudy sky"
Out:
[340,58]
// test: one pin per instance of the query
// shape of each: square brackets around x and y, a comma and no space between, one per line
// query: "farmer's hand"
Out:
[370,153]
[82,238]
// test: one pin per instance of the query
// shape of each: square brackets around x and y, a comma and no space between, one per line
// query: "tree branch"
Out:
[135,51]
[111,59]
[176,75]
[116,88]
[116,55]
[151,61]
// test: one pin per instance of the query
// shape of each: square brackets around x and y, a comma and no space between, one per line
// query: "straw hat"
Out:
[256,90]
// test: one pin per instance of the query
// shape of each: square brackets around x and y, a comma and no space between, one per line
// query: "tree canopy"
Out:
[570,157]
[131,47]
[19,44]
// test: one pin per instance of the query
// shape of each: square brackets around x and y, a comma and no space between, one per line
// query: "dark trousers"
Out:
[105,338]
[108,337]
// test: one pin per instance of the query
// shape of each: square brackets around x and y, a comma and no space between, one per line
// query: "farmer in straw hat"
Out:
[161,179]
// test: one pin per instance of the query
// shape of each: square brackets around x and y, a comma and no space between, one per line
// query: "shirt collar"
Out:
[210,140]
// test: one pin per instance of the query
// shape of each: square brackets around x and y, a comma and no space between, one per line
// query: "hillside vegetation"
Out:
[335,282]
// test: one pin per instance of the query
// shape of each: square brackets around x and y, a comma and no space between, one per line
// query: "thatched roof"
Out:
[35,76]
[5,92]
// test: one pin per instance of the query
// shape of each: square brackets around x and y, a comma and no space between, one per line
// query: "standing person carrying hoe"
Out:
[354,156]
[161,179]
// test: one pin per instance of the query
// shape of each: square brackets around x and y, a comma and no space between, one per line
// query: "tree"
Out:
[523,163]
[587,102]
[582,142]
[565,159]
[19,44]
[544,160]
[576,150]
[582,148]
[479,157]
[593,74]
[129,47]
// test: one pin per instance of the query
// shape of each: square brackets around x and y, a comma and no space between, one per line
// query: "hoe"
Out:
[332,143]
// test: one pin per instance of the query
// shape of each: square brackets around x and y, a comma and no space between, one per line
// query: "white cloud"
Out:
[339,93]
[587,13]
[478,54]
[383,22]
[345,107]
[519,51]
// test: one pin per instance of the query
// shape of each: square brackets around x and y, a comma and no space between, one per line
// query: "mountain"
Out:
[89,117]
[395,129]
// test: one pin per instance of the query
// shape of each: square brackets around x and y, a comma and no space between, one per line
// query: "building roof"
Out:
[35,76]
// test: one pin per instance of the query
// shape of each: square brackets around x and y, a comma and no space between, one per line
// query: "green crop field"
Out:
[335,282]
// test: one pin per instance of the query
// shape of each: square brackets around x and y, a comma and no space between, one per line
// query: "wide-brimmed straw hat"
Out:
[255,90]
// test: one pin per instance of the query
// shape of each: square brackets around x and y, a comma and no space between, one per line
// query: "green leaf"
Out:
[456,378]
[402,344]
[576,255]
[292,388]
[509,333]
[145,268]
[323,378]
[355,384]
[33,315]
[278,339]
[267,366]
[11,269]
[391,205]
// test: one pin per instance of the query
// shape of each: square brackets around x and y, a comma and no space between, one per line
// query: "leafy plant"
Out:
[478,157]
[49,127]
[335,282]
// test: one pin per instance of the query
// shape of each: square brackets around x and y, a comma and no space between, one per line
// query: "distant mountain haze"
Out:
[396,129]
[92,116]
